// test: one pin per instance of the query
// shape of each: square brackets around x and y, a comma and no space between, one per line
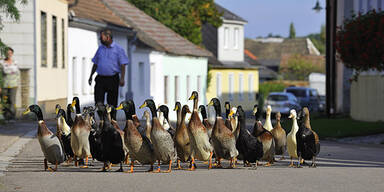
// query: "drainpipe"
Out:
[35,54]
[331,16]
[131,43]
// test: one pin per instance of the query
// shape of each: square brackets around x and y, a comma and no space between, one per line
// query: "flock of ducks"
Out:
[199,139]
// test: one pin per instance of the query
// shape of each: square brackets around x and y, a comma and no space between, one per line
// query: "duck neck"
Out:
[218,110]
[77,106]
[204,113]
[268,123]
[195,103]
[278,122]
[64,126]
[179,116]
[295,126]
[227,111]
[39,115]
[69,117]
[307,122]
[153,111]
[242,124]
[182,120]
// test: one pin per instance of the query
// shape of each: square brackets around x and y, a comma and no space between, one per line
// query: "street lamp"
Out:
[317,7]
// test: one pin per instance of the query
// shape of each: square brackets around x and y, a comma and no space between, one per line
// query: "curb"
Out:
[8,155]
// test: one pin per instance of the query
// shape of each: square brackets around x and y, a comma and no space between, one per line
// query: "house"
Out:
[165,66]
[265,73]
[39,40]
[86,19]
[363,99]
[231,77]
[269,51]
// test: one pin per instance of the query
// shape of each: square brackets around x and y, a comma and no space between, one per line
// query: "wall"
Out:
[248,100]
[230,52]
[52,82]
[367,95]
[82,46]
[20,36]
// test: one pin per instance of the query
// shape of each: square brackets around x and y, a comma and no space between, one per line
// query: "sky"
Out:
[275,16]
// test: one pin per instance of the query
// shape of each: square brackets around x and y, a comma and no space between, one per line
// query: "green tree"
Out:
[292,31]
[185,17]
[299,68]
[9,8]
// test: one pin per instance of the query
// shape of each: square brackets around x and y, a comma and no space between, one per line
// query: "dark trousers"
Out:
[109,85]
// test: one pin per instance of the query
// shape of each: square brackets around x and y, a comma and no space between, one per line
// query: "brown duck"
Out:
[280,137]
[183,145]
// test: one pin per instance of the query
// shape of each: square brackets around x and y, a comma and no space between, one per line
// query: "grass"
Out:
[340,127]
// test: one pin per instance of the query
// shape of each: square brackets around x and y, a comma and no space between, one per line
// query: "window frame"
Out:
[43,39]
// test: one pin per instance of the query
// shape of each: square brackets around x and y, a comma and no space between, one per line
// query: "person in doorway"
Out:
[11,76]
[109,61]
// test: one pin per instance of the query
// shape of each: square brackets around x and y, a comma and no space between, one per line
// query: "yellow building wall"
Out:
[52,82]
[246,102]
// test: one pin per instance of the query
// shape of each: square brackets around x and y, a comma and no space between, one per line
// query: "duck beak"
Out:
[254,110]
[26,111]
[192,97]
[119,107]
[176,108]
[73,103]
[143,105]
[210,103]
[290,116]
[57,111]
[230,114]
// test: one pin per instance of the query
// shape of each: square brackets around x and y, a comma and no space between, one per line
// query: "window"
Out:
[231,86]
[250,87]
[177,88]
[75,77]
[43,40]
[198,85]
[226,37]
[63,42]
[241,87]
[54,42]
[84,70]
[166,89]
[141,78]
[153,79]
[188,86]
[236,38]
[218,85]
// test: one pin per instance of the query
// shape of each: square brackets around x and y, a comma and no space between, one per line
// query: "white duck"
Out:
[268,123]
[291,137]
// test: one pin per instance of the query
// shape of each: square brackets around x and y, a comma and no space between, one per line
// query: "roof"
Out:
[228,15]
[154,33]
[274,50]
[264,72]
[95,10]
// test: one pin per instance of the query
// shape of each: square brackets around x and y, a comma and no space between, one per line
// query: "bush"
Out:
[266,87]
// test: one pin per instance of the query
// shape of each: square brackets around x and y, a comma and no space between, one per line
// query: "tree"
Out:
[292,31]
[185,17]
[299,67]
[9,8]
[318,39]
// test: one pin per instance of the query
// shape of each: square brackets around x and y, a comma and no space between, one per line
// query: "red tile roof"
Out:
[152,32]
[249,54]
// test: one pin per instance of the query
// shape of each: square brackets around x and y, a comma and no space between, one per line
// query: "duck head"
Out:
[101,111]
[278,116]
[36,110]
[128,107]
[146,115]
[203,111]
[164,109]
[57,107]
[61,113]
[240,113]
[151,105]
[185,109]
[269,110]
[177,106]
[195,98]
[215,102]
[255,107]
[292,114]
[227,106]
[76,104]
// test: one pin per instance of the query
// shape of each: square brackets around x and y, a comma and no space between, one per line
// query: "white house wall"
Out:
[227,51]
[82,46]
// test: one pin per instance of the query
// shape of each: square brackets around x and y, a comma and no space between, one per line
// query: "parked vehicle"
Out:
[282,102]
[307,97]
[322,103]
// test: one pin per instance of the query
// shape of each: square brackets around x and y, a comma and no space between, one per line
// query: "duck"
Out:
[223,140]
[182,141]
[69,115]
[228,124]
[80,135]
[280,137]
[291,137]
[139,146]
[64,133]
[161,139]
[268,123]
[256,112]
[111,111]
[177,109]
[148,128]
[198,136]
[317,140]
[164,120]
[205,121]
[49,143]
[266,138]
[249,146]
[307,146]
[112,150]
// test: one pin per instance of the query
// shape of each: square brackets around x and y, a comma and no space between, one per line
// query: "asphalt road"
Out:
[341,167]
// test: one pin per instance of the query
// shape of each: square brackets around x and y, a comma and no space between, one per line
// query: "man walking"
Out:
[109,60]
